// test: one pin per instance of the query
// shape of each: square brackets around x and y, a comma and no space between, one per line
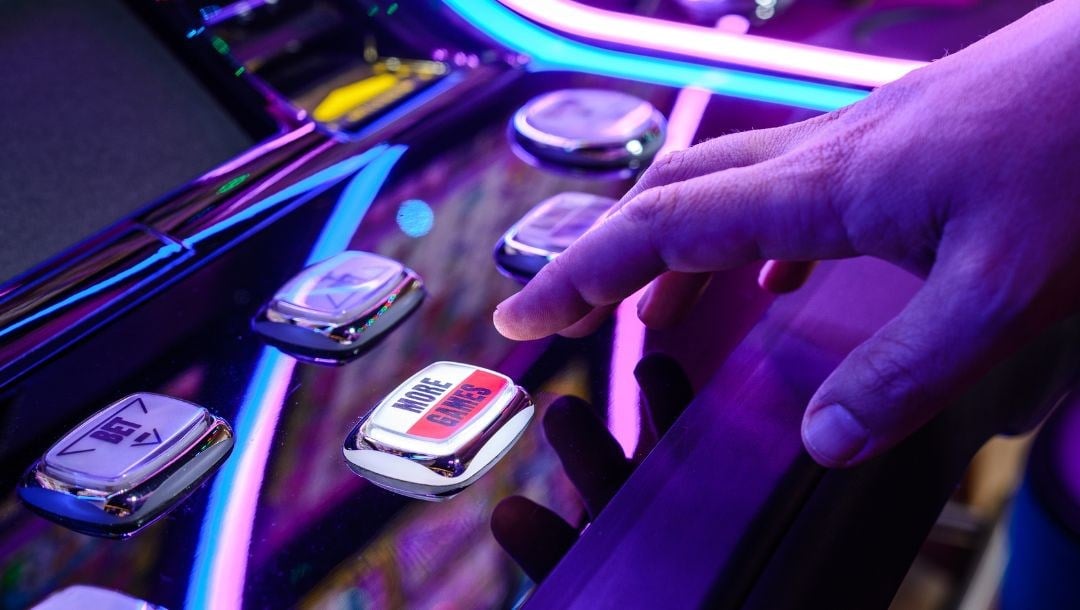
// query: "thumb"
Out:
[959,324]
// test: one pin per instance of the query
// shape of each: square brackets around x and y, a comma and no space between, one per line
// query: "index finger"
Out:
[775,209]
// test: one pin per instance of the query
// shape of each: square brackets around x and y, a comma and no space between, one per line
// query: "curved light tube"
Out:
[552,51]
[744,50]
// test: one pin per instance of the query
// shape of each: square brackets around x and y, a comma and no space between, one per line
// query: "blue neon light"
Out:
[352,205]
[163,253]
[550,51]
[330,174]
[415,218]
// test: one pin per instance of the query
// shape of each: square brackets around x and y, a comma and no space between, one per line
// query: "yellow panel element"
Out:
[343,99]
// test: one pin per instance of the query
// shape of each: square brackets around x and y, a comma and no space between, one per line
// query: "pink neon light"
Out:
[624,419]
[260,150]
[706,43]
[230,549]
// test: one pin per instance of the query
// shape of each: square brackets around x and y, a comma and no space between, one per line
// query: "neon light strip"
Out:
[695,41]
[550,51]
[217,577]
[162,253]
[220,568]
[219,14]
[624,419]
[330,174]
[258,151]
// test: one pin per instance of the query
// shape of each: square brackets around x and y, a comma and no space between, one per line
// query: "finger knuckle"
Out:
[654,209]
[893,375]
[668,168]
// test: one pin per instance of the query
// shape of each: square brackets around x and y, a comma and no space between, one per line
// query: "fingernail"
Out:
[834,435]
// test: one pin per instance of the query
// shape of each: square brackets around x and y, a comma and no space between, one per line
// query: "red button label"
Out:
[464,402]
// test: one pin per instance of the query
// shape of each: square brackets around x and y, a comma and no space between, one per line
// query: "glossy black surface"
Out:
[162,302]
[315,524]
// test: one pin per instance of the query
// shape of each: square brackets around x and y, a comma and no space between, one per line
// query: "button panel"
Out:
[95,598]
[590,128]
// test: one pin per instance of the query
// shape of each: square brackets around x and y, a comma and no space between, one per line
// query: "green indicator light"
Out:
[390,10]
[373,10]
[232,184]
[239,71]
[220,45]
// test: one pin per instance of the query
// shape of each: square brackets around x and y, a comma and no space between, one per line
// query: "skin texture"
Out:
[966,172]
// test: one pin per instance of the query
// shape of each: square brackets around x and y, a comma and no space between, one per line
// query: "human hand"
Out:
[535,536]
[964,172]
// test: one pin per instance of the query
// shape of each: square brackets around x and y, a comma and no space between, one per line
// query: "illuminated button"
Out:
[336,309]
[439,431]
[126,442]
[127,464]
[546,231]
[591,128]
[96,598]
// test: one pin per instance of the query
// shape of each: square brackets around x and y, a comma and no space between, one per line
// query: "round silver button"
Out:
[587,128]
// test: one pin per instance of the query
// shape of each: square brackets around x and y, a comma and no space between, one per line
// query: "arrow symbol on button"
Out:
[142,442]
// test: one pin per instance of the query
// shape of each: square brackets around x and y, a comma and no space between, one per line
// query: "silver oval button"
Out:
[546,231]
[337,309]
[438,432]
[595,128]
[92,598]
[127,464]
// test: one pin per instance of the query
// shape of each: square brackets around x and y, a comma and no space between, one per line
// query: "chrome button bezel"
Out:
[612,130]
[316,335]
[382,450]
[519,257]
[143,488]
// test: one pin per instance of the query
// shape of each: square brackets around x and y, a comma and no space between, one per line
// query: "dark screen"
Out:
[96,121]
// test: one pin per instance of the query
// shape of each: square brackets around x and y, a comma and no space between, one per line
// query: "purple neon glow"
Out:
[230,555]
[749,51]
[624,419]
[220,14]
[257,152]
[221,560]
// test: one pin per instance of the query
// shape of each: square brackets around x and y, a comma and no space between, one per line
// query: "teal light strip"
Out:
[550,51]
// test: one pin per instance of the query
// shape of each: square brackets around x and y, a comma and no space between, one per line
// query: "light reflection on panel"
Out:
[222,556]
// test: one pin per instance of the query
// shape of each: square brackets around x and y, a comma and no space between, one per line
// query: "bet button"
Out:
[126,442]
[127,465]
